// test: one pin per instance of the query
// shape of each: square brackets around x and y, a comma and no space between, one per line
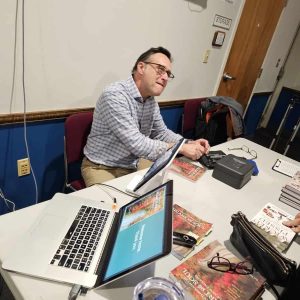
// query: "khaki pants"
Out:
[94,173]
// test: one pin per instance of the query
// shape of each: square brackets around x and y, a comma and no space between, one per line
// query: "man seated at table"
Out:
[127,124]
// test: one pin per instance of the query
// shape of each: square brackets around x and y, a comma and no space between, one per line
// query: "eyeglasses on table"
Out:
[246,149]
[222,264]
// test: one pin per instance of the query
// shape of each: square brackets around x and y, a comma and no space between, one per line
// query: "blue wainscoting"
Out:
[254,112]
[280,108]
[45,142]
[46,147]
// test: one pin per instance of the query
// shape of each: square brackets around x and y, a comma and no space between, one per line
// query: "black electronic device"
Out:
[233,170]
[183,239]
[209,160]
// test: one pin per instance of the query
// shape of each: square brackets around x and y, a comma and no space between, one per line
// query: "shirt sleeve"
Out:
[117,115]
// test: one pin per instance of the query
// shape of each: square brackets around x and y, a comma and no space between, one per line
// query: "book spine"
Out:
[295,195]
[283,194]
[293,189]
[289,202]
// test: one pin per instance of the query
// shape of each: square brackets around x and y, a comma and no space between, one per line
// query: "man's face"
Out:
[154,74]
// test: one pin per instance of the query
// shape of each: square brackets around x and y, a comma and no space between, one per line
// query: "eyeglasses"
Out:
[222,264]
[253,153]
[160,69]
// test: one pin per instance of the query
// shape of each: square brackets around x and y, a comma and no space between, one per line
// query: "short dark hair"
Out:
[143,57]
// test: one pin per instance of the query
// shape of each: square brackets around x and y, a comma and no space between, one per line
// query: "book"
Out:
[268,221]
[183,166]
[186,222]
[289,202]
[294,184]
[286,195]
[286,191]
[202,282]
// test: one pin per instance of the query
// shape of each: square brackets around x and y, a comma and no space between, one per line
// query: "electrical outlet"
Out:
[206,56]
[23,166]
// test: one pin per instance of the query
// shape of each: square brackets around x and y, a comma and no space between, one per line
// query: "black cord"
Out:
[116,189]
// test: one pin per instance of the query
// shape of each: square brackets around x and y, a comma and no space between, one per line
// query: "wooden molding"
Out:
[16,118]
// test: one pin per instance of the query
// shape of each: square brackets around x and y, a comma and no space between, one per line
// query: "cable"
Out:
[116,189]
[6,201]
[109,195]
[24,101]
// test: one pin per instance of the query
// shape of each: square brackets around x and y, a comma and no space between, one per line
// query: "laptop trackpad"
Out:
[48,227]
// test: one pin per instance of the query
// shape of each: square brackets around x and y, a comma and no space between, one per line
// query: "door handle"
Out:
[226,77]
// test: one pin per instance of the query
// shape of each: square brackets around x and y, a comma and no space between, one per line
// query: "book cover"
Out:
[268,221]
[186,222]
[294,184]
[202,282]
[187,169]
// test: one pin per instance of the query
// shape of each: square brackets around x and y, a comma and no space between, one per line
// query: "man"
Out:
[127,123]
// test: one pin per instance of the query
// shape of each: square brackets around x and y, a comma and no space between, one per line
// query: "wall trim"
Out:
[15,118]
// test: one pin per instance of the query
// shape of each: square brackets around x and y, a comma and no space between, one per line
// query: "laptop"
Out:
[156,174]
[68,243]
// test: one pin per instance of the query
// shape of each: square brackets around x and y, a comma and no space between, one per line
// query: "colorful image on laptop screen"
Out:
[141,233]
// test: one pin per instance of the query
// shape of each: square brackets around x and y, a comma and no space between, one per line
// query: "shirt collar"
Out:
[134,91]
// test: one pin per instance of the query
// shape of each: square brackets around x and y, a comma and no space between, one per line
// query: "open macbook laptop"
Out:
[69,243]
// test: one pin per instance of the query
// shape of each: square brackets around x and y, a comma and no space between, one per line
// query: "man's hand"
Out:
[195,149]
[203,143]
[294,224]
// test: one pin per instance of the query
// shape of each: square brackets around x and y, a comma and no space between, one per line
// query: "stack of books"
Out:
[290,193]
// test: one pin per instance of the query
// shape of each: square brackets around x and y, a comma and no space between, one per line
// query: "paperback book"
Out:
[291,202]
[186,222]
[268,221]
[294,185]
[201,282]
[187,169]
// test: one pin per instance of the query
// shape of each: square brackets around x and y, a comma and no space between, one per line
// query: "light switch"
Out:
[206,56]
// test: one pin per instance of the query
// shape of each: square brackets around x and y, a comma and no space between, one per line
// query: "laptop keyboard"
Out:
[77,249]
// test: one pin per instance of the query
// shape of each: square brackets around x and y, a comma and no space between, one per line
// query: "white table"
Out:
[208,198]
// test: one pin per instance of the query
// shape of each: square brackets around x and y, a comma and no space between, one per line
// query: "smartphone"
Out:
[209,160]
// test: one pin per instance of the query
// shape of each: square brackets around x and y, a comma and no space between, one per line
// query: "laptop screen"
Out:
[144,232]
[162,162]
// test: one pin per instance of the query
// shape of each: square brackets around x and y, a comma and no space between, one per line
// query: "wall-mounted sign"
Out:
[222,22]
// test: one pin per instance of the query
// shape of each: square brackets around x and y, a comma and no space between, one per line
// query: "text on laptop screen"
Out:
[140,234]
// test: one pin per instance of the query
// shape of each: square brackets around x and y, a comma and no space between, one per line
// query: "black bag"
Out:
[276,268]
[211,122]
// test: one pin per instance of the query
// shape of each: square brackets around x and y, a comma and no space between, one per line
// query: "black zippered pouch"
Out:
[276,268]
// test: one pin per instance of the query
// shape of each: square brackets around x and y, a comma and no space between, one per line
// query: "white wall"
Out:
[279,46]
[290,79]
[74,48]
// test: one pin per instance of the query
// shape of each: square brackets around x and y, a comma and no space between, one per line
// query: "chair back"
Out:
[190,112]
[77,129]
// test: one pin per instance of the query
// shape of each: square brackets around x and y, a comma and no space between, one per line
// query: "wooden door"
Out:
[253,36]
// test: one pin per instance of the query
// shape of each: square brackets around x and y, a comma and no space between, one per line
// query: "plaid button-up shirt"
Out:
[126,128]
